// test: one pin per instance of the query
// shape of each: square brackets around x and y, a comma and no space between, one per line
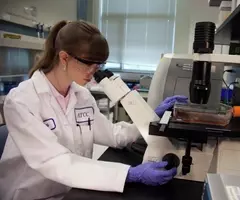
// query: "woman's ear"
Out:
[63,59]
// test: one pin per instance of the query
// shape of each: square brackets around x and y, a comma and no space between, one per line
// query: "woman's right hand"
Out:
[151,173]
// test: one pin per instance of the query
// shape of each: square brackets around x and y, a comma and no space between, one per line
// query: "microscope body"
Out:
[137,108]
[142,115]
[208,155]
[199,155]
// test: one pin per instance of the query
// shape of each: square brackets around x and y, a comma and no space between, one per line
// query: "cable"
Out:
[225,83]
[227,87]
[233,83]
[229,71]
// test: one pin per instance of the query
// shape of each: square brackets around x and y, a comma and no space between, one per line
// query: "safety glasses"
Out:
[88,62]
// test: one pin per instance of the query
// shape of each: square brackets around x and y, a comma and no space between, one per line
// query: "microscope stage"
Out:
[196,132]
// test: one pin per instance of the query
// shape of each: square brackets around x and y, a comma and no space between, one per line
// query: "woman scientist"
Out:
[53,123]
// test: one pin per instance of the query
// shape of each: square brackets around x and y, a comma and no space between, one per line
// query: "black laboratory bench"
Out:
[175,190]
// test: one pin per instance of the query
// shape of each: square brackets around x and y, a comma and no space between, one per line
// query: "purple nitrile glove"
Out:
[151,173]
[169,103]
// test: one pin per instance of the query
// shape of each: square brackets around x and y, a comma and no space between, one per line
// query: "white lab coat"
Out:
[49,152]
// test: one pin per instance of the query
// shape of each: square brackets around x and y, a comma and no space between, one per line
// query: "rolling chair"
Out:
[3,138]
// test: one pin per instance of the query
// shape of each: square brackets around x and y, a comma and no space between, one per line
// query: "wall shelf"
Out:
[25,42]
[13,76]
[215,3]
[230,20]
[18,20]
[229,30]
[21,21]
[20,44]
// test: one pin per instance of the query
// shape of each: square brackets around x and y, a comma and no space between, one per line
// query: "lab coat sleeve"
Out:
[116,135]
[42,152]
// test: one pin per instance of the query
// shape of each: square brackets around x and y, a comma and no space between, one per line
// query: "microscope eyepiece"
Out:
[108,73]
[99,75]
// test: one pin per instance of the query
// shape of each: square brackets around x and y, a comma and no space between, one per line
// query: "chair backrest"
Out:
[3,138]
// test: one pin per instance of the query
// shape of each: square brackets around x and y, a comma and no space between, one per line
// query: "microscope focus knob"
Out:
[172,159]
[186,164]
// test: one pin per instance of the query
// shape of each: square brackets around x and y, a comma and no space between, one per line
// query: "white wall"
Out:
[48,11]
[189,12]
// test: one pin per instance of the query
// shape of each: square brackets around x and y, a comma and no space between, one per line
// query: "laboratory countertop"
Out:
[175,190]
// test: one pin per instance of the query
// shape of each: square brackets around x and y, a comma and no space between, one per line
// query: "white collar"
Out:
[41,85]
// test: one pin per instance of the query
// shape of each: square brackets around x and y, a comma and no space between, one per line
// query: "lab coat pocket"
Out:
[87,138]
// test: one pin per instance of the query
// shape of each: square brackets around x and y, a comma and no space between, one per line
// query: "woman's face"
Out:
[80,72]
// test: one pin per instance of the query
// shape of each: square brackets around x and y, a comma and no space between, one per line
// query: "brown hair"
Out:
[78,38]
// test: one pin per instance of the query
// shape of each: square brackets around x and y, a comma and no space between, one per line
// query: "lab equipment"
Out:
[17,54]
[236,111]
[221,187]
[134,104]
[194,144]
[139,111]
[220,114]
[173,76]
[38,29]
[42,31]
[227,96]
[145,82]
[169,103]
[201,147]
[136,108]
[236,95]
[200,85]
[151,173]
[3,138]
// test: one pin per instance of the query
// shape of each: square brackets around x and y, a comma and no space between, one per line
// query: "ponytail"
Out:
[77,38]
[49,58]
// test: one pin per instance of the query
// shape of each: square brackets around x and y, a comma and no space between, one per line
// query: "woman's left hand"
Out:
[169,103]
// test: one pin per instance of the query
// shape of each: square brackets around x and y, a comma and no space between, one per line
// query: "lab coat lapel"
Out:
[55,105]
[72,102]
[42,88]
[77,97]
[40,83]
